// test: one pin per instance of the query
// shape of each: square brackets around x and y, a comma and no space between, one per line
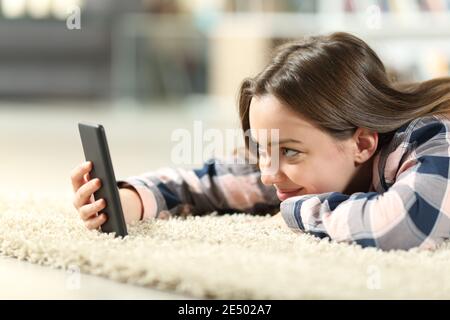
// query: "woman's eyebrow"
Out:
[286,141]
[253,140]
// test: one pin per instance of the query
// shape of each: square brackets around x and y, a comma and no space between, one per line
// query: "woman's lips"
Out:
[284,194]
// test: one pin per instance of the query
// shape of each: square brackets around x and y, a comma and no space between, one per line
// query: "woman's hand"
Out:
[83,199]
[89,209]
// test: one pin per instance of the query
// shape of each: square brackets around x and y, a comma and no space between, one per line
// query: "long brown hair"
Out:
[339,83]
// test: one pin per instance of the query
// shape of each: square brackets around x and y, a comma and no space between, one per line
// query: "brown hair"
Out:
[339,83]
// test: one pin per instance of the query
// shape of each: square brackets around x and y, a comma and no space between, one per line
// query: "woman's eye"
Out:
[289,152]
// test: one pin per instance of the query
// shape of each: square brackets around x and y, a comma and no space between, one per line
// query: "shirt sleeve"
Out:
[217,186]
[413,212]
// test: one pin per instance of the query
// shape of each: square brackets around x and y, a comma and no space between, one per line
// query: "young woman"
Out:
[359,158]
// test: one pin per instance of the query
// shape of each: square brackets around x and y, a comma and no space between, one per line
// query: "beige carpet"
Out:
[232,256]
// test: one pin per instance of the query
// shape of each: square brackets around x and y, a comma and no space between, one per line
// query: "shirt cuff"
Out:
[290,212]
[148,194]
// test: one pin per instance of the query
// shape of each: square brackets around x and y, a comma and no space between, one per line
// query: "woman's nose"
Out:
[271,177]
[270,170]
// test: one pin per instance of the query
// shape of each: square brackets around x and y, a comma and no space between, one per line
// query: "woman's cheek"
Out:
[298,176]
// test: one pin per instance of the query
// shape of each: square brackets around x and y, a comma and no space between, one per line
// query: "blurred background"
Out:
[143,68]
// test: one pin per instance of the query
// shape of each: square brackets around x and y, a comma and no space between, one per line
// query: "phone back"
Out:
[96,149]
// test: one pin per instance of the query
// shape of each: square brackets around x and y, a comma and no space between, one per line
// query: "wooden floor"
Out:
[24,280]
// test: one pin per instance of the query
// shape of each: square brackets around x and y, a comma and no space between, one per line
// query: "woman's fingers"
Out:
[84,193]
[89,210]
[96,222]
[78,175]
[83,200]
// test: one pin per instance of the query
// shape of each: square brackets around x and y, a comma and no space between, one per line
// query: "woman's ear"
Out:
[366,142]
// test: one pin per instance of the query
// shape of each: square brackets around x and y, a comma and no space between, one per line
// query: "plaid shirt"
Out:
[408,204]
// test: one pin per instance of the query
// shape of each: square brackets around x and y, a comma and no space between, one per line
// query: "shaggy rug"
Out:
[227,257]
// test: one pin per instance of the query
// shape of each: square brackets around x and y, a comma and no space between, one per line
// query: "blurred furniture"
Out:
[158,56]
[42,58]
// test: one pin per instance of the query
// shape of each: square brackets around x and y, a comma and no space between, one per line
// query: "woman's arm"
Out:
[131,204]
[217,186]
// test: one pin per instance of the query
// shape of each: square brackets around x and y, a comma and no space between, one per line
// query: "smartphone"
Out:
[95,146]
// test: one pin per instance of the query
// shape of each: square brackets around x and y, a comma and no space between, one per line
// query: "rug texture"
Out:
[226,257]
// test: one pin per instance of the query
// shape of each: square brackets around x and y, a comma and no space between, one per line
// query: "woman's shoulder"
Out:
[421,130]
[427,135]
[426,128]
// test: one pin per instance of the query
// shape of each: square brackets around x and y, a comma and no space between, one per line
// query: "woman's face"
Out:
[310,160]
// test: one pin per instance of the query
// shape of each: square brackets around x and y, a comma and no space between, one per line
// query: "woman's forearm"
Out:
[131,204]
